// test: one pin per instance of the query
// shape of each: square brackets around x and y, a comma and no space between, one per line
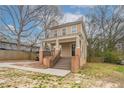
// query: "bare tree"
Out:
[23,20]
[93,34]
[50,17]
[19,21]
[109,21]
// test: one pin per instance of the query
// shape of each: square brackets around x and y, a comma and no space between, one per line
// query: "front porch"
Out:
[62,51]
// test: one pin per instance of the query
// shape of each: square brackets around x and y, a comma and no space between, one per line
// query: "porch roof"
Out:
[67,38]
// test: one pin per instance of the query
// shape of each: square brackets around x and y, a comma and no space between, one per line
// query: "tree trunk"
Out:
[18,44]
[30,53]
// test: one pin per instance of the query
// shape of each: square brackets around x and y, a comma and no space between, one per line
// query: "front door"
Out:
[73,49]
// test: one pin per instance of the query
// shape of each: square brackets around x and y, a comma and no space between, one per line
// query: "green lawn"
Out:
[100,70]
[120,69]
[91,75]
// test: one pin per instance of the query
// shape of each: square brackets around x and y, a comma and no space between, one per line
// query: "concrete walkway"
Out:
[51,71]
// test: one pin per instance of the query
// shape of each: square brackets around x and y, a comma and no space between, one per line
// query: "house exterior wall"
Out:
[51,33]
[66,41]
[69,30]
[79,27]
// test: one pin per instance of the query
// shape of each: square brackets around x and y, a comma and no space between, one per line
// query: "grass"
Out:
[120,69]
[98,70]
[91,75]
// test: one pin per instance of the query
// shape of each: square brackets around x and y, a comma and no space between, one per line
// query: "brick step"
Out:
[61,66]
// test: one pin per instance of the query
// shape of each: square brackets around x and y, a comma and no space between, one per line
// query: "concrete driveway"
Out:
[11,64]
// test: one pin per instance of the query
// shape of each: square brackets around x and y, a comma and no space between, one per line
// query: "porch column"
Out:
[78,50]
[41,53]
[57,44]
[49,44]
[75,63]
[57,48]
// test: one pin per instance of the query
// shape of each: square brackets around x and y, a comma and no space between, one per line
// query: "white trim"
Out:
[63,37]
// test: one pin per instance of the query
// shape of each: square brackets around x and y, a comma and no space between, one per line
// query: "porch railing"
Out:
[50,58]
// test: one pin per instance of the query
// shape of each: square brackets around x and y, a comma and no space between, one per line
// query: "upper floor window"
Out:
[74,29]
[55,33]
[63,31]
[47,34]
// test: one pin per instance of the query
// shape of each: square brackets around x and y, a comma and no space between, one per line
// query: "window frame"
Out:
[55,33]
[74,31]
[64,31]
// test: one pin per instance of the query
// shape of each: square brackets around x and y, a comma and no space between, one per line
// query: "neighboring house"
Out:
[2,38]
[69,41]
[4,45]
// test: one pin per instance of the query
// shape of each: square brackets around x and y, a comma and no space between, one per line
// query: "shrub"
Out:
[111,57]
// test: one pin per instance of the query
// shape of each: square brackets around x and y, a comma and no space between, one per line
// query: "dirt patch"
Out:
[2,81]
[116,78]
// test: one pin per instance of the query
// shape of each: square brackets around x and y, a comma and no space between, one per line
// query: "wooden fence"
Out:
[17,55]
[96,59]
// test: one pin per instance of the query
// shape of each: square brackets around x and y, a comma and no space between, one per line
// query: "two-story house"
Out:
[68,42]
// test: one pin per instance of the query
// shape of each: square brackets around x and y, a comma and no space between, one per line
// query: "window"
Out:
[47,34]
[64,31]
[55,33]
[74,29]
